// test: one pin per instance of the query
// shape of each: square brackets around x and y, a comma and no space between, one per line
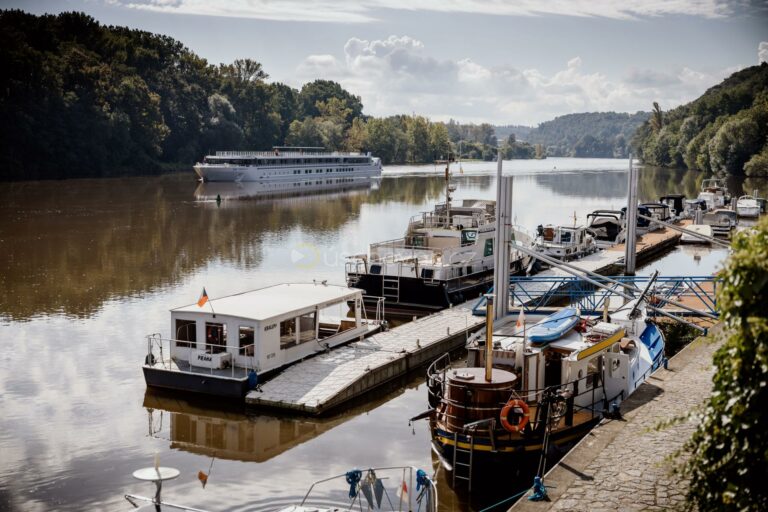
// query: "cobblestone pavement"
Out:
[633,470]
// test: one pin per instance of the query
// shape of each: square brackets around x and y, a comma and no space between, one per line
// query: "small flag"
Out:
[402,492]
[203,298]
[203,478]
[520,319]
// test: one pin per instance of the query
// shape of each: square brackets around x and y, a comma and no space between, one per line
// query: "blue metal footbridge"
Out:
[543,294]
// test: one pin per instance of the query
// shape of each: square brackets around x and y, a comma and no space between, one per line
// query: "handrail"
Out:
[155,340]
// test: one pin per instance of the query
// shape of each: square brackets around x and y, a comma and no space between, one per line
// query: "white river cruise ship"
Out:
[287,163]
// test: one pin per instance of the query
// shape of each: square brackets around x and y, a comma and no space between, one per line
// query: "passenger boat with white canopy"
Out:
[225,346]
[287,164]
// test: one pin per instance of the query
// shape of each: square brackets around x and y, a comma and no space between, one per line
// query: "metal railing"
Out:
[159,352]
[535,292]
[284,152]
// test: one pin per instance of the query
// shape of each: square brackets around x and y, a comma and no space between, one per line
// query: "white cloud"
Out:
[397,75]
[762,52]
[359,11]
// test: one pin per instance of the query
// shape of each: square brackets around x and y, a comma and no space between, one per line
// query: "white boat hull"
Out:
[747,211]
[237,173]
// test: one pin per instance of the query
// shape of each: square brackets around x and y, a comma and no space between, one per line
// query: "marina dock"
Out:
[325,381]
[625,464]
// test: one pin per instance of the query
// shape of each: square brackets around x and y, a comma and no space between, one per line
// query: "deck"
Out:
[325,381]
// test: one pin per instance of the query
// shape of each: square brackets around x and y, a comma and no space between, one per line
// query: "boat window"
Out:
[468,237]
[215,337]
[186,333]
[287,333]
[469,269]
[427,273]
[307,327]
[376,269]
[246,340]
[488,247]
[565,237]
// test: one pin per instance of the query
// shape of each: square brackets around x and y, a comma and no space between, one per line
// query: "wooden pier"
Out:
[325,381]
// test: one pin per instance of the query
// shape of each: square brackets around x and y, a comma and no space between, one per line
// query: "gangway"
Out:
[539,294]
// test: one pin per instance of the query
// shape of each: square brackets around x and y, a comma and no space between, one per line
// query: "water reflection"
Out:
[88,267]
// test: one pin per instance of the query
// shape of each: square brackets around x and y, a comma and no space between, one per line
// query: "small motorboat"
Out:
[702,229]
[715,192]
[676,203]
[554,326]
[722,221]
[564,242]
[747,206]
[607,227]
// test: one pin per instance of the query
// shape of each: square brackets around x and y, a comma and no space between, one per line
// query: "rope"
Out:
[353,478]
[505,500]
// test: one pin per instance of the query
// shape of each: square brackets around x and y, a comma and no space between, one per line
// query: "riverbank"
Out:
[629,463]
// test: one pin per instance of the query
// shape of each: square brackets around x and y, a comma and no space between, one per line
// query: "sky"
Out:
[497,61]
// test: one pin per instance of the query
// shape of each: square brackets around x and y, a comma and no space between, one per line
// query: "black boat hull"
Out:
[195,383]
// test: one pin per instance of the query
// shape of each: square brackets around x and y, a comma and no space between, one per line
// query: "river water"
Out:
[89,267]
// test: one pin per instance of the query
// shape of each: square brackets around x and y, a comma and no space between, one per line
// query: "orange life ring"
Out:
[509,407]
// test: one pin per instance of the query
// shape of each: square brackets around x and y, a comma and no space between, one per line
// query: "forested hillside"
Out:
[80,99]
[725,130]
[591,134]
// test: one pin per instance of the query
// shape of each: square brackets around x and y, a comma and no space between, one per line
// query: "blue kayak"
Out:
[554,326]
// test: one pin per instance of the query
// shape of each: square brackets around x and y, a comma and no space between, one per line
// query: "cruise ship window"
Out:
[287,333]
[246,340]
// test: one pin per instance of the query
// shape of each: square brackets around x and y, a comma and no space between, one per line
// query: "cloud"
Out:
[762,52]
[362,11]
[398,75]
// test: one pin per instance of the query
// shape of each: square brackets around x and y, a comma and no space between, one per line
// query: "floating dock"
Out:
[325,381]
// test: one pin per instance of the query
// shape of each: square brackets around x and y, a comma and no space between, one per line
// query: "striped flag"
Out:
[203,298]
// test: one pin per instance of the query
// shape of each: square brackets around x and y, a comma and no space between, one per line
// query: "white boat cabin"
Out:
[564,242]
[268,328]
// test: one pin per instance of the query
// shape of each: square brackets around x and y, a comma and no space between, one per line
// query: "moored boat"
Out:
[747,206]
[517,396]
[702,229]
[564,243]
[722,221]
[225,346]
[446,257]
[607,227]
[715,193]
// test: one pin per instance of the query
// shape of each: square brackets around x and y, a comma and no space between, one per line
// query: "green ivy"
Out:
[729,463]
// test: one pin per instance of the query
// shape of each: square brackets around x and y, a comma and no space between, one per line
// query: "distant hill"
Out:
[724,130]
[521,132]
[591,134]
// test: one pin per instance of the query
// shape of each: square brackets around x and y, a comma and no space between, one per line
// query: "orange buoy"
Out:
[517,407]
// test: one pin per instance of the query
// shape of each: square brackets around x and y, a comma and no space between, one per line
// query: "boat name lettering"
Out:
[204,357]
[270,356]
[270,327]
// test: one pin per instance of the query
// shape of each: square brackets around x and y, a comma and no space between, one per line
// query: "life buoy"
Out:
[516,407]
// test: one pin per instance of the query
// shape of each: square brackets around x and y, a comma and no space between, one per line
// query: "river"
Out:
[89,267]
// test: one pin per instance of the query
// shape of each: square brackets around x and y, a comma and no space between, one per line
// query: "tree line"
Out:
[587,135]
[724,130]
[81,99]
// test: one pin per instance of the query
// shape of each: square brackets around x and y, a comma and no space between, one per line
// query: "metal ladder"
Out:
[458,465]
[390,288]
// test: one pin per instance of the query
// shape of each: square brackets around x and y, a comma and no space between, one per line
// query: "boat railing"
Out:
[392,251]
[160,352]
[569,392]
[379,316]
[283,152]
[422,493]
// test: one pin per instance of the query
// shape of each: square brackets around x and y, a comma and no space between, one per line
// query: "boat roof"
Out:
[273,301]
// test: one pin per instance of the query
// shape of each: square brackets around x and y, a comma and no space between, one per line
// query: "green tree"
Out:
[729,460]
[657,118]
